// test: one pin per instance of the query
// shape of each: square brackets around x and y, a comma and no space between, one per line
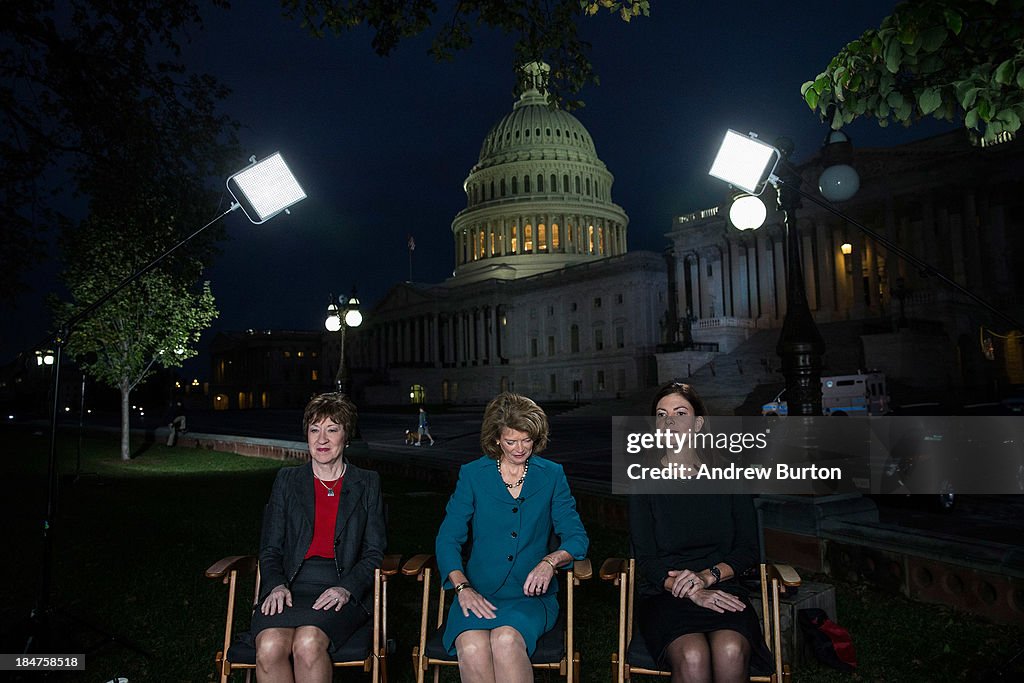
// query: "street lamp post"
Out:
[800,346]
[339,319]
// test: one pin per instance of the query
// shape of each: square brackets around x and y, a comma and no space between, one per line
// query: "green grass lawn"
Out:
[132,540]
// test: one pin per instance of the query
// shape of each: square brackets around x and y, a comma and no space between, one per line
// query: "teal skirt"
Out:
[532,616]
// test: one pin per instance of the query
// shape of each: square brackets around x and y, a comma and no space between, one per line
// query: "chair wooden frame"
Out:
[230,569]
[424,568]
[775,578]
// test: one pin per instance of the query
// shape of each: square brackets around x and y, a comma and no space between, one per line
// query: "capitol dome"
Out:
[538,198]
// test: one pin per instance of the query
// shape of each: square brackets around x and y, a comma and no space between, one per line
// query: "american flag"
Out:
[412,243]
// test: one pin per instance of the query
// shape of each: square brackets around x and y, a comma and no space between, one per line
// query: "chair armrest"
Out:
[582,570]
[613,568]
[242,563]
[391,565]
[417,563]
[786,574]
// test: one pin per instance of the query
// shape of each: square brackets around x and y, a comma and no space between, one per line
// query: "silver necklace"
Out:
[330,489]
[526,467]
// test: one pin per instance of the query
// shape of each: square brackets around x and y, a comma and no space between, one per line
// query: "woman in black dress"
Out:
[323,537]
[694,616]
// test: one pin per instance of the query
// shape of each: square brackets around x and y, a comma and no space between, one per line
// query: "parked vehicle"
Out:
[860,394]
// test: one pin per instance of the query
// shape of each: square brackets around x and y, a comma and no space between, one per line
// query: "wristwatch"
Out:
[717,573]
[462,586]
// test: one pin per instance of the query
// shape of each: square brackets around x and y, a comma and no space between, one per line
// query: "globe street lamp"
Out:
[339,319]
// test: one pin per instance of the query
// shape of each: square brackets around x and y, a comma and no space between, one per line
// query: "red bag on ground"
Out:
[831,643]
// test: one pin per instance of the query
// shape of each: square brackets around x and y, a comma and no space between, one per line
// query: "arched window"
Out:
[515,185]
[554,236]
[526,183]
[540,182]
[542,237]
[590,239]
[588,187]
[574,339]
[565,183]
[600,240]
[492,189]
[527,238]
[417,394]
[502,187]
[578,185]
[554,183]
[515,239]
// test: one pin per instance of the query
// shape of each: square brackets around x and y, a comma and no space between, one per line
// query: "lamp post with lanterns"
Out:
[339,319]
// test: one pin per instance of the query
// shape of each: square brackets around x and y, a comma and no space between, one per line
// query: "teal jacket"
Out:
[509,535]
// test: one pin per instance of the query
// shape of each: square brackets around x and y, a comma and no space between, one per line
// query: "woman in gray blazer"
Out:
[323,536]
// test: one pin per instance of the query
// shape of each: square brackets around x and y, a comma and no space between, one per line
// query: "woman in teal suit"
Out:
[510,500]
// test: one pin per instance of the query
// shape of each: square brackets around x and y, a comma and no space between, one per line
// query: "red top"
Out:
[322,544]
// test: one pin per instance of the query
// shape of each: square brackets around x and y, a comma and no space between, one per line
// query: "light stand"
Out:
[265,189]
[749,164]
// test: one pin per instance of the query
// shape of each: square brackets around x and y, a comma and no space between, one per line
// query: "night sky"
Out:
[382,145]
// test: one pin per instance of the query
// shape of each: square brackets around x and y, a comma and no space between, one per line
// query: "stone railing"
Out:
[709,323]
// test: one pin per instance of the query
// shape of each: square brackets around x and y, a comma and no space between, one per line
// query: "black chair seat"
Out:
[638,655]
[358,646]
[550,646]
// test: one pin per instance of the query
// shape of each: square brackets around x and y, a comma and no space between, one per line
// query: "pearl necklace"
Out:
[330,489]
[526,467]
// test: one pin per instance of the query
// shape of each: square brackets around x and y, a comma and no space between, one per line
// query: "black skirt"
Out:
[663,618]
[316,575]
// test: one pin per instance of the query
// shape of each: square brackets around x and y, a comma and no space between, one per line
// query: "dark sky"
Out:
[382,145]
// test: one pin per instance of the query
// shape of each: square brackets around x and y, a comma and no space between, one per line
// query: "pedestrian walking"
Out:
[178,424]
[424,428]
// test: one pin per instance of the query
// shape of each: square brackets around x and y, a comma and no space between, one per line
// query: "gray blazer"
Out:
[359,536]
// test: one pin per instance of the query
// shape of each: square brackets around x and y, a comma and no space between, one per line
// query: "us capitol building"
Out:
[546,299]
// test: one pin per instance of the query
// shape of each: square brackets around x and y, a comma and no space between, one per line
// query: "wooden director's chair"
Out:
[632,655]
[367,648]
[556,649]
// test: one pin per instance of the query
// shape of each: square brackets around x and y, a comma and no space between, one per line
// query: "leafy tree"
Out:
[943,58]
[546,30]
[67,70]
[153,322]
[97,101]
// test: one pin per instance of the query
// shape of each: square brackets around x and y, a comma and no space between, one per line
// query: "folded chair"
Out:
[367,648]
[633,657]
[556,649]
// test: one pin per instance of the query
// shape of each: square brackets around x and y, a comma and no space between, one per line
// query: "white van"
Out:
[860,394]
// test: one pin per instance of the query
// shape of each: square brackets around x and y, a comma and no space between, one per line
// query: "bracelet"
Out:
[548,560]
[462,586]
